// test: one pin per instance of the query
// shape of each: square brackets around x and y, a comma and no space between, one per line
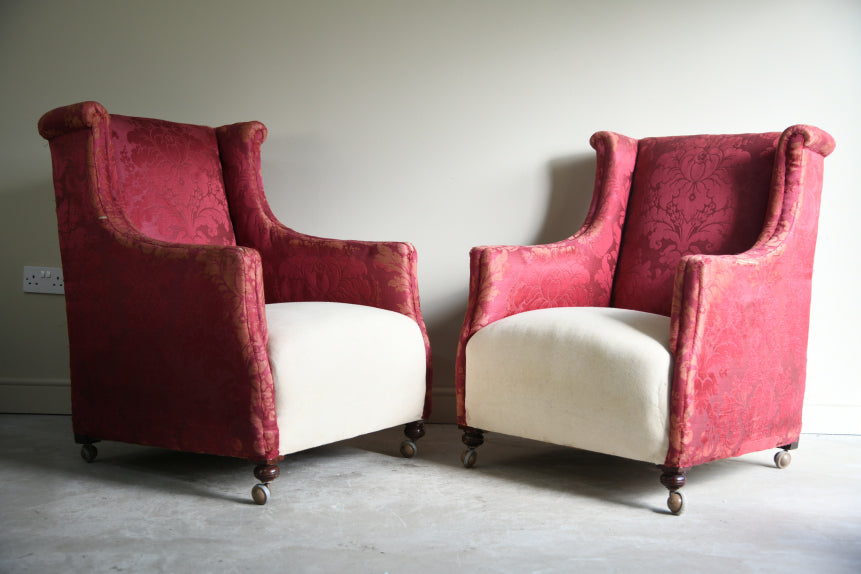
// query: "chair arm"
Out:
[506,280]
[299,267]
[578,271]
[739,330]
[179,332]
[739,323]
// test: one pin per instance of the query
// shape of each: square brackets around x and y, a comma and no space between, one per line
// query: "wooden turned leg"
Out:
[413,431]
[472,438]
[265,473]
[674,480]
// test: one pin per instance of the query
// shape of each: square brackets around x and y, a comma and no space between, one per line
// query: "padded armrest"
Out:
[739,323]
[578,271]
[738,335]
[299,267]
[505,280]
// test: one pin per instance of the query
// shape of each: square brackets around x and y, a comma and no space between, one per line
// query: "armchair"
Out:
[672,327]
[198,322]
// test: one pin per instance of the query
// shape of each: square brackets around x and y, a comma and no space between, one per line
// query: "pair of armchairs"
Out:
[672,328]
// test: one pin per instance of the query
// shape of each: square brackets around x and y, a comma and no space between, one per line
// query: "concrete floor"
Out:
[357,506]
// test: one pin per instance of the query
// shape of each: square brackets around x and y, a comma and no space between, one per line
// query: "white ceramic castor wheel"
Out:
[408,449]
[676,502]
[782,459]
[468,458]
[260,494]
[89,452]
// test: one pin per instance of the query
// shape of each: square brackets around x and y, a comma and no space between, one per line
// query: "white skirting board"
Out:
[37,396]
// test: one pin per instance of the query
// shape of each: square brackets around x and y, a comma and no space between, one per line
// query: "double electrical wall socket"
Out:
[43,280]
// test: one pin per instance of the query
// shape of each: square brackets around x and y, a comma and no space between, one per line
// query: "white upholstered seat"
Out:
[587,377]
[331,361]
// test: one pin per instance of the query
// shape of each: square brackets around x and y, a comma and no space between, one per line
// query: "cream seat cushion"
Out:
[342,370]
[586,377]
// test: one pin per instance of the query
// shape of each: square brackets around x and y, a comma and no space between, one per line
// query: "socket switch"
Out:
[43,280]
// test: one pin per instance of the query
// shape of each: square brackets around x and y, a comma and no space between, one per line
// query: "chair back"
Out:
[689,195]
[169,181]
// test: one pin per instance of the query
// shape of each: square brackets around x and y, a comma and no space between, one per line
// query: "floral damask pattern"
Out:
[327,277]
[701,194]
[171,181]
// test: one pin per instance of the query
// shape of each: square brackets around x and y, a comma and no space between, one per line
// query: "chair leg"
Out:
[88,450]
[265,473]
[674,480]
[472,438]
[782,458]
[413,431]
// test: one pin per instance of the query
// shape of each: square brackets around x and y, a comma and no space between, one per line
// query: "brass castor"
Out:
[676,502]
[468,458]
[260,494]
[782,459]
[89,452]
[408,449]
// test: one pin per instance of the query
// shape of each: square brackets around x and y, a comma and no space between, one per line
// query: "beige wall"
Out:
[445,123]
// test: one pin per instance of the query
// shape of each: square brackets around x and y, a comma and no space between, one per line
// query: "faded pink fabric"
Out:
[690,195]
[719,234]
[192,371]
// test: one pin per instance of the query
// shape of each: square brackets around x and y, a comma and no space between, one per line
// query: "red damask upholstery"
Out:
[170,256]
[715,232]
